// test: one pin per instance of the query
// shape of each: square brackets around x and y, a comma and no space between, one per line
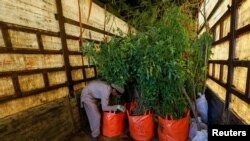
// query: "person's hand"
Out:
[121,108]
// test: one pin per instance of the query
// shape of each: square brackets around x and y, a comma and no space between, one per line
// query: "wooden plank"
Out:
[75,60]
[6,87]
[226,26]
[21,62]
[2,44]
[97,16]
[77,74]
[241,109]
[240,78]
[225,72]
[220,51]
[217,71]
[210,68]
[9,62]
[57,77]
[53,61]
[221,29]
[213,70]
[217,32]
[243,14]
[23,40]
[215,8]
[219,13]
[79,86]
[31,82]
[217,87]
[223,17]
[51,43]
[90,72]
[242,51]
[32,99]
[73,45]
[32,13]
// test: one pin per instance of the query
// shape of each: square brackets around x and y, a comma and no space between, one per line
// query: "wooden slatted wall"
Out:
[229,65]
[40,60]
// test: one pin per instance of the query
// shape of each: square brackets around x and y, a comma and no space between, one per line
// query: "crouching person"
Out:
[98,89]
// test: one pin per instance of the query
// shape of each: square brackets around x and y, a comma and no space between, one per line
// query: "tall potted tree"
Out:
[153,64]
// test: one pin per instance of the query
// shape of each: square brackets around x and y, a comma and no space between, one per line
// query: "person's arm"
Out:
[105,106]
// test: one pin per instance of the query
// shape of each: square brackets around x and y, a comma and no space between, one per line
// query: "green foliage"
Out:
[199,53]
[152,62]
[110,60]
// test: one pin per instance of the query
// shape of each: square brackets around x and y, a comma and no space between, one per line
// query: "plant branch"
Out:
[192,108]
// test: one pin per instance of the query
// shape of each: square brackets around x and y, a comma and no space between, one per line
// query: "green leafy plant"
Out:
[153,61]
[110,60]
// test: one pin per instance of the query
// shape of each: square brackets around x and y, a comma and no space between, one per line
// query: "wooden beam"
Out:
[30,51]
[84,39]
[213,70]
[6,38]
[221,72]
[241,63]
[84,80]
[27,29]
[61,22]
[16,85]
[243,30]
[76,23]
[25,72]
[217,81]
[45,78]
[218,61]
[221,40]
[39,41]
[240,95]
[248,83]
[231,51]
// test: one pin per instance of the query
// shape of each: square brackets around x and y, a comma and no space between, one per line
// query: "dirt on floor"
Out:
[83,136]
